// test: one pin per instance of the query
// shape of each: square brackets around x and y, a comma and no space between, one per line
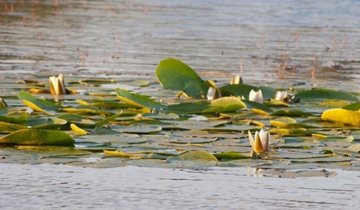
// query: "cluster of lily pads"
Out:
[191,122]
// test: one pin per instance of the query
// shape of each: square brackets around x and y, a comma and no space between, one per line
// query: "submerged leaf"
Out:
[176,75]
[38,137]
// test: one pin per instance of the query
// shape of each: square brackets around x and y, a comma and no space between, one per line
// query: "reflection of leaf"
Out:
[342,116]
[320,93]
[176,75]
[38,137]
[138,100]
[37,104]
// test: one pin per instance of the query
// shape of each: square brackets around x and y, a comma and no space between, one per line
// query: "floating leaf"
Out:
[9,127]
[353,107]
[139,129]
[122,154]
[138,100]
[225,104]
[255,105]
[189,108]
[199,155]
[354,148]
[231,155]
[320,93]
[37,104]
[96,81]
[342,115]
[176,75]
[77,131]
[291,113]
[282,122]
[37,137]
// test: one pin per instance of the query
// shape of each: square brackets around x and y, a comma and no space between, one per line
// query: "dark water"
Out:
[281,43]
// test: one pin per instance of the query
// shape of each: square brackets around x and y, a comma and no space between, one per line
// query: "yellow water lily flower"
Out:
[256,96]
[261,143]
[281,95]
[57,85]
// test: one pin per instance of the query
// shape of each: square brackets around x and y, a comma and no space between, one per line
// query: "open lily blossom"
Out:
[256,96]
[212,94]
[57,85]
[3,104]
[261,142]
[281,95]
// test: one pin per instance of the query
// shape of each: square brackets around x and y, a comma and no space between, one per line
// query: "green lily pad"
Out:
[37,104]
[38,137]
[200,155]
[176,75]
[320,93]
[138,100]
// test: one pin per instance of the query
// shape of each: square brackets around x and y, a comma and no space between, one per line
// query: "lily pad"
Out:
[176,75]
[342,116]
[138,100]
[320,93]
[38,137]
[37,104]
[200,155]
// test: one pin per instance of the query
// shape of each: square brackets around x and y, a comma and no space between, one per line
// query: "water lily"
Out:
[3,104]
[256,96]
[236,80]
[261,143]
[281,95]
[57,85]
[212,94]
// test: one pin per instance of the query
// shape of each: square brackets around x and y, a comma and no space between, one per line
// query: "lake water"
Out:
[282,43]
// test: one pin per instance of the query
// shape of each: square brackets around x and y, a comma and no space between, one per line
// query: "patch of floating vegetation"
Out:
[191,123]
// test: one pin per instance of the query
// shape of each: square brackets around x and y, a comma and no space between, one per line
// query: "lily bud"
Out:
[256,96]
[212,94]
[261,143]
[3,104]
[57,85]
[236,80]
[281,95]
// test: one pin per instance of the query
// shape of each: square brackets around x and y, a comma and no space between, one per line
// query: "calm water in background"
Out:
[282,42]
